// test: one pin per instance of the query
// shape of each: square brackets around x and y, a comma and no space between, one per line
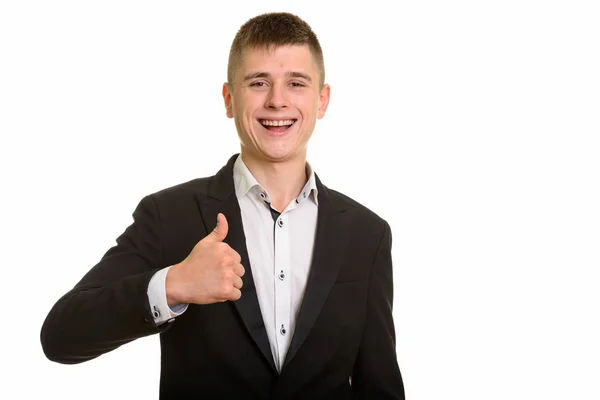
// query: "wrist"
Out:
[172,287]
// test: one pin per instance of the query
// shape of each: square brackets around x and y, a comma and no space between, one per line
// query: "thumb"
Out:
[220,232]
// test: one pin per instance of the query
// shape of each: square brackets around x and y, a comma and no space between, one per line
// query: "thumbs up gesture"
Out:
[211,273]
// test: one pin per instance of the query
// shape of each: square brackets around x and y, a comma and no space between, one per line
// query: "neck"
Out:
[283,180]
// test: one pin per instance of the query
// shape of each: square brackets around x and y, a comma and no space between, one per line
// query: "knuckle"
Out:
[226,278]
[226,290]
[222,263]
[222,246]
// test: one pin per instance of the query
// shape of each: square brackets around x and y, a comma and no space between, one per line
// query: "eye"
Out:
[297,84]
[258,84]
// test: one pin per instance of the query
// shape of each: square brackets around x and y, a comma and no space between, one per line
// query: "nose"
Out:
[277,98]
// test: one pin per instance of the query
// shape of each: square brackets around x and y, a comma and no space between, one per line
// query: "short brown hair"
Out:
[274,30]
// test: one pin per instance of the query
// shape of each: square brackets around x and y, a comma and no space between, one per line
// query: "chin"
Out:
[274,155]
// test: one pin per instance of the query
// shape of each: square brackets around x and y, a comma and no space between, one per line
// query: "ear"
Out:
[228,100]
[323,101]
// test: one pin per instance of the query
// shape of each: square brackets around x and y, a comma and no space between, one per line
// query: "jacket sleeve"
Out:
[376,373]
[109,306]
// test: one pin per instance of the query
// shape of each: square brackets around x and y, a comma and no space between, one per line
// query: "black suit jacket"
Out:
[221,351]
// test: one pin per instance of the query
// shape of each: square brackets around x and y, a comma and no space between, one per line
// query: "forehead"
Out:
[279,58]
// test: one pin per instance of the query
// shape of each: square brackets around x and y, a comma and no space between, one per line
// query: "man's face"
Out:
[275,102]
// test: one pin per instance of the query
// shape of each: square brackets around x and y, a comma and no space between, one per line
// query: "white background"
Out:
[472,127]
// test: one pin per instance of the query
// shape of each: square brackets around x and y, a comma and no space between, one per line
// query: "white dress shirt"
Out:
[280,248]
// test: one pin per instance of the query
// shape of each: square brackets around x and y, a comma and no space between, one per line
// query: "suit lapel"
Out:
[330,241]
[222,199]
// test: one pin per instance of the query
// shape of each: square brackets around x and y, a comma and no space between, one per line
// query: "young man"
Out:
[289,296]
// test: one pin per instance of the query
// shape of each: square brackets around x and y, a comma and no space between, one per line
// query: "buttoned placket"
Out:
[281,268]
[282,286]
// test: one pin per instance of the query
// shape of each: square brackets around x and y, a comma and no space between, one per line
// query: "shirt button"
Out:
[263,195]
[282,330]
[281,276]
[280,222]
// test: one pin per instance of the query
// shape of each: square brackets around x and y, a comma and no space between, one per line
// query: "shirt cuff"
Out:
[157,297]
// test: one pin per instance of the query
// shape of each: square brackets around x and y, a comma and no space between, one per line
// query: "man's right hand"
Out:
[211,273]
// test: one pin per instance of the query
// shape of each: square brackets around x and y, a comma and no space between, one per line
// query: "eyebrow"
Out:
[292,74]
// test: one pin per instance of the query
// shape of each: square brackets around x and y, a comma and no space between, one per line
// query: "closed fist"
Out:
[211,273]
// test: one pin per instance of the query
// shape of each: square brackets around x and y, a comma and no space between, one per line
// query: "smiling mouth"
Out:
[277,126]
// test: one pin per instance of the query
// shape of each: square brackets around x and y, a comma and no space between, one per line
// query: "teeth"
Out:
[268,122]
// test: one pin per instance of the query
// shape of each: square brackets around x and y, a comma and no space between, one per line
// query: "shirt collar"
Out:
[245,182]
